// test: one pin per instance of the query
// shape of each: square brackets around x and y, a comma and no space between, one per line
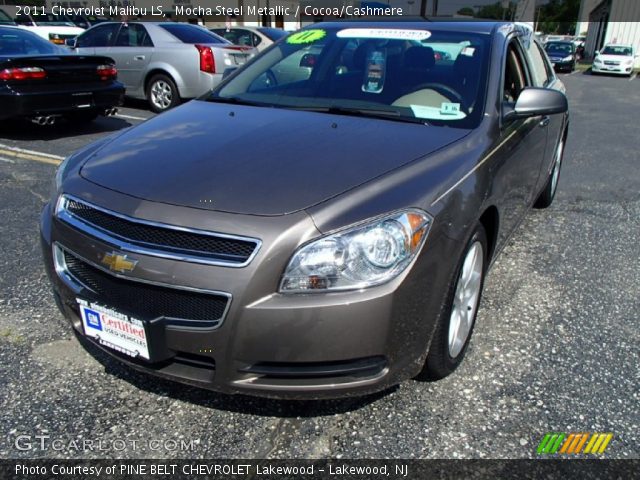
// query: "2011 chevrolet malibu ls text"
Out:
[313,235]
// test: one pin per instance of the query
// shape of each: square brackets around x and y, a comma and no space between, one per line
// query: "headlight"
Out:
[598,61]
[358,257]
[568,58]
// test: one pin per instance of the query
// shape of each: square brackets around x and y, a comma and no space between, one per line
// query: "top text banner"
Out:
[515,10]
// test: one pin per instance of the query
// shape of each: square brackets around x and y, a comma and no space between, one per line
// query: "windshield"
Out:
[623,51]
[562,48]
[422,76]
[14,42]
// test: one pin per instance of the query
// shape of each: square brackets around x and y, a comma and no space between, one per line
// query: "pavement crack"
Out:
[22,183]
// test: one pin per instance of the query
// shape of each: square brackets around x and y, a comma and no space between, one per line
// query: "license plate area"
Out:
[114,329]
[82,100]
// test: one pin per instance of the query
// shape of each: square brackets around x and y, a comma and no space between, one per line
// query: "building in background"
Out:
[609,21]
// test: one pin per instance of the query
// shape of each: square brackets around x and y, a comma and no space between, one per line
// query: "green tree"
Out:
[468,11]
[559,16]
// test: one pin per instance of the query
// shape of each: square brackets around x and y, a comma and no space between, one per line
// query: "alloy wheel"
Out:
[465,302]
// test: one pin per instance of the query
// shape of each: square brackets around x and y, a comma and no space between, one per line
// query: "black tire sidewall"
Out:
[175,95]
[548,194]
[439,363]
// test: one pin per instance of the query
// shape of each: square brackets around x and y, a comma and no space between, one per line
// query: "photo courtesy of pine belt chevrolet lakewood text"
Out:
[321,223]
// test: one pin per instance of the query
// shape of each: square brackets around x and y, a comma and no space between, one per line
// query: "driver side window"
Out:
[515,79]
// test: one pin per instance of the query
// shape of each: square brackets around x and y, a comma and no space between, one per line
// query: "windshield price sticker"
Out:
[450,109]
[384,33]
[306,36]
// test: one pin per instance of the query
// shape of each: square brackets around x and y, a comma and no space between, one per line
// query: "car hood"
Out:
[253,160]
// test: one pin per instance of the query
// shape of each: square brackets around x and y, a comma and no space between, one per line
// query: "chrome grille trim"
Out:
[77,286]
[63,214]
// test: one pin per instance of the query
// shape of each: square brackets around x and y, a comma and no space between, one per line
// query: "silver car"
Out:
[163,62]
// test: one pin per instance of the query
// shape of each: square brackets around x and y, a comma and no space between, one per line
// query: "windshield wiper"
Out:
[237,101]
[363,112]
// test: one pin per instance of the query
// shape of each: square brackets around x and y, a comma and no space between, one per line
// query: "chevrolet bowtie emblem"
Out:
[118,263]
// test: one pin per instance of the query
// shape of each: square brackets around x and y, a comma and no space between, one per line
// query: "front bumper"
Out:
[268,344]
[615,69]
[561,65]
[51,102]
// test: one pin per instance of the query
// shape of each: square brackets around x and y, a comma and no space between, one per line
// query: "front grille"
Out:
[165,238]
[611,63]
[145,301]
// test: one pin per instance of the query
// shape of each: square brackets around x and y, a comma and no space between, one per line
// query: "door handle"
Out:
[139,57]
[545,122]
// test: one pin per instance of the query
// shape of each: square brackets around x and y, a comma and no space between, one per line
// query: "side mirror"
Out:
[597,52]
[228,71]
[536,101]
[71,42]
[308,60]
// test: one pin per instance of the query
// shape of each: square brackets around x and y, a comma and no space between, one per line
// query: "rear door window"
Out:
[133,35]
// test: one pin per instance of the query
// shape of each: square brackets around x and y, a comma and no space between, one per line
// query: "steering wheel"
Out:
[445,91]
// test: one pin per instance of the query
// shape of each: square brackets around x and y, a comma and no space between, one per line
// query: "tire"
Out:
[449,344]
[86,116]
[162,93]
[551,187]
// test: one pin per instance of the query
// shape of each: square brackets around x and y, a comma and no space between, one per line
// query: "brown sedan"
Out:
[316,235]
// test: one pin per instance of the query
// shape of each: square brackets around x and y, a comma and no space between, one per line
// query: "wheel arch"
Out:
[162,70]
[490,220]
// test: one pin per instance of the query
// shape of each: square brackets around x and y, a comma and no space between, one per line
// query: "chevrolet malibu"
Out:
[319,237]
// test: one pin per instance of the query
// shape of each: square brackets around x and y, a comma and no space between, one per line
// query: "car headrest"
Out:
[419,58]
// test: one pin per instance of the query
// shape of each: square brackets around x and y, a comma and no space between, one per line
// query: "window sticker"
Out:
[375,72]
[450,108]
[434,113]
[468,51]
[306,36]
[384,33]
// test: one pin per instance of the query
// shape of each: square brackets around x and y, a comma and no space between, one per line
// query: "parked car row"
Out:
[164,63]
[43,82]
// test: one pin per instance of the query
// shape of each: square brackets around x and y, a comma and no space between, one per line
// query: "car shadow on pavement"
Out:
[238,403]
[26,131]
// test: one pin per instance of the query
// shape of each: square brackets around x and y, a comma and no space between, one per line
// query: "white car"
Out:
[614,58]
[55,28]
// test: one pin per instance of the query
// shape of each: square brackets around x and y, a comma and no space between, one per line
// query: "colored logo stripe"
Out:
[573,443]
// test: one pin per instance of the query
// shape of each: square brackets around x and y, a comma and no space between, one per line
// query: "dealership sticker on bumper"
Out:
[114,330]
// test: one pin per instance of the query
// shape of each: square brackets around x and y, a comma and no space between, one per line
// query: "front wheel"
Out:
[456,322]
[549,193]
[162,93]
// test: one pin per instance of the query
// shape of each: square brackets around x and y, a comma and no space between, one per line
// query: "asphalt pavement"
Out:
[556,346]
